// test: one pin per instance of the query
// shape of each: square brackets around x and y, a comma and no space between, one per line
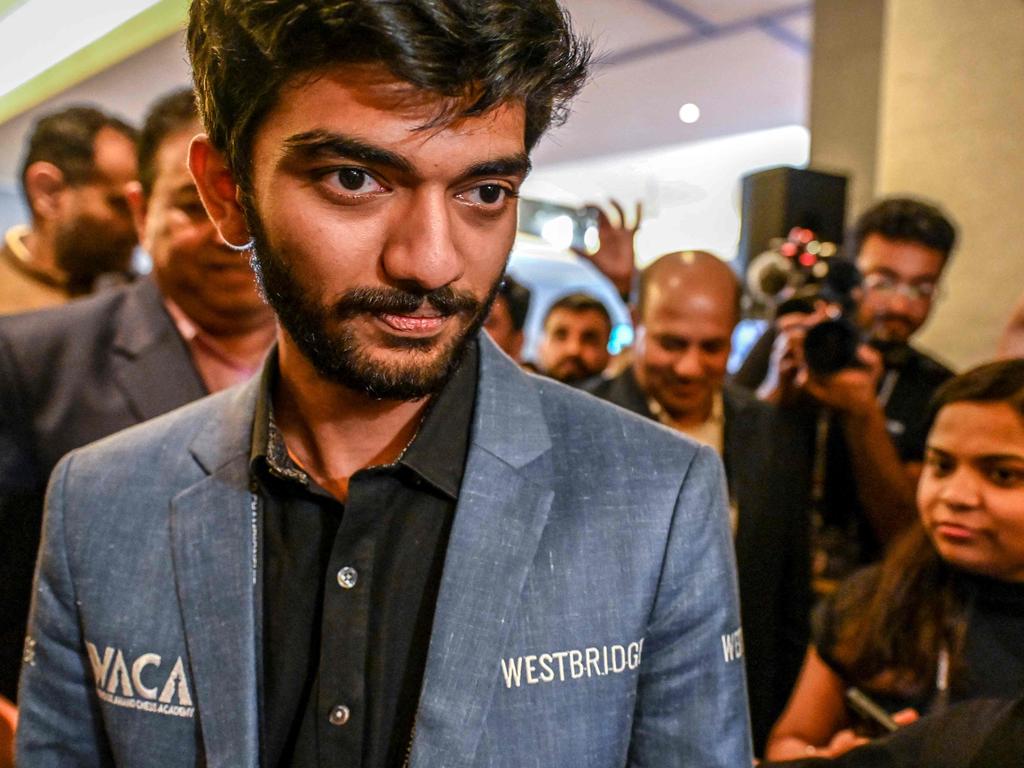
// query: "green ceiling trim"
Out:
[157,22]
[6,6]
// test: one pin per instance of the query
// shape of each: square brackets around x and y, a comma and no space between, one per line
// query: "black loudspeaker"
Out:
[778,199]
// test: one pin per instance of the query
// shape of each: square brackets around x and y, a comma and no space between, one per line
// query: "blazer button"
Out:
[347,577]
[339,715]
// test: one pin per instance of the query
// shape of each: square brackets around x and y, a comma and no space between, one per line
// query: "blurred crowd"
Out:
[876,497]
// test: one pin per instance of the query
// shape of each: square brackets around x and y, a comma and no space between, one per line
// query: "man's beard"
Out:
[85,250]
[892,329]
[571,371]
[339,355]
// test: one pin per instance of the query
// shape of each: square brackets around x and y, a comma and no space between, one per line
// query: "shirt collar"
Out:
[437,453]
[717,415]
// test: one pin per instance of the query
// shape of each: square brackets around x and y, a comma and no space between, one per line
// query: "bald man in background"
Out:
[689,304]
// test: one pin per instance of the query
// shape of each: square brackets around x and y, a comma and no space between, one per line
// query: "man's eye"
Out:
[488,195]
[354,181]
[672,345]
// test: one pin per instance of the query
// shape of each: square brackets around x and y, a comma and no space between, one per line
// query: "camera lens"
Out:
[831,346]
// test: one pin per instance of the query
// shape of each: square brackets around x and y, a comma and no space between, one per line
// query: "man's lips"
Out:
[687,389]
[420,323]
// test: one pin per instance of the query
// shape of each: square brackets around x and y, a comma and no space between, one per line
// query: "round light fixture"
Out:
[689,113]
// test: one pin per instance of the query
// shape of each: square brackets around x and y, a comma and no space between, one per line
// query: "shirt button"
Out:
[339,715]
[347,577]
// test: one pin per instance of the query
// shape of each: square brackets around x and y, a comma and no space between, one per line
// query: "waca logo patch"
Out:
[123,682]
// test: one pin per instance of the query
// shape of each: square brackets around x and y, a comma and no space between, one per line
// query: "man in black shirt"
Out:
[394,546]
[390,537]
[872,449]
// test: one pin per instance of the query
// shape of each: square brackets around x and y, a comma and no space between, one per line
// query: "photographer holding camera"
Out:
[872,422]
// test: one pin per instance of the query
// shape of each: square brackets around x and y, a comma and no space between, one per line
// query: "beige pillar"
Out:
[953,130]
[846,74]
[950,129]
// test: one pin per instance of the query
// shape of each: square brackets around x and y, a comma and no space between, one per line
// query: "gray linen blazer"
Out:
[68,376]
[587,615]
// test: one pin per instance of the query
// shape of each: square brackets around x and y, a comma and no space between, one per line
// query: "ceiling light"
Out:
[689,113]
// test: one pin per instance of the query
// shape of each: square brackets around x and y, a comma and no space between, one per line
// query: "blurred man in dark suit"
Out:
[74,374]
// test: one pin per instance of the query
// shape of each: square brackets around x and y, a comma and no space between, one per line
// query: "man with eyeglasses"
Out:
[871,436]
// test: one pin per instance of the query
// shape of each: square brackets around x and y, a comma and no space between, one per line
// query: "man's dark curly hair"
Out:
[908,220]
[67,139]
[578,303]
[169,114]
[517,297]
[479,53]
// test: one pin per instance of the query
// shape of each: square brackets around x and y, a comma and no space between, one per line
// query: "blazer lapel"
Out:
[502,510]
[152,366]
[214,551]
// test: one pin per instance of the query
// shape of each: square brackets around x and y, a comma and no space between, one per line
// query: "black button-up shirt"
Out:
[349,589]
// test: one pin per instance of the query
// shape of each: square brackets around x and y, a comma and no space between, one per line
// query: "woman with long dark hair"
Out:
[941,619]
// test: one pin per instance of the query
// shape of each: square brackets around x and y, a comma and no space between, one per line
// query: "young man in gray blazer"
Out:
[393,547]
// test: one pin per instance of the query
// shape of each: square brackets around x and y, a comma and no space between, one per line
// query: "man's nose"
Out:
[571,347]
[420,249]
[898,302]
[688,364]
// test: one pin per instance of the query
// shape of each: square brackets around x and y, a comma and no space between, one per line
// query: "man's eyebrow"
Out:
[882,270]
[314,144]
[513,165]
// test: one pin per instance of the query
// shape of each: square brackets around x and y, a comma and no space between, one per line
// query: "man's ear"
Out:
[43,184]
[639,335]
[218,190]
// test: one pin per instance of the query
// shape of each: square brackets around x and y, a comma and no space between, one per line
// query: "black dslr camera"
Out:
[797,275]
[831,345]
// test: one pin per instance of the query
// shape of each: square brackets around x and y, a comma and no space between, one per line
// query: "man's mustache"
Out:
[395,301]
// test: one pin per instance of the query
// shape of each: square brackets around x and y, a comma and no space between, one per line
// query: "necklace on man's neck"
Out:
[21,259]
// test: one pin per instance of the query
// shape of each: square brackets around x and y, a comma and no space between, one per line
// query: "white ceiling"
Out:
[744,62]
